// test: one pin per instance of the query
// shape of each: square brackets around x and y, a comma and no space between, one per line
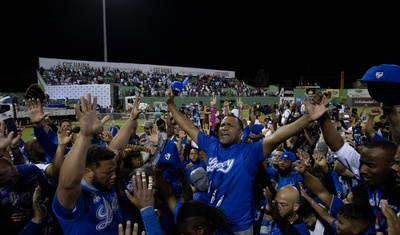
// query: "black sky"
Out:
[287,40]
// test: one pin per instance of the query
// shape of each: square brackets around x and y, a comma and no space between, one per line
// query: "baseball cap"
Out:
[167,155]
[199,178]
[288,155]
[148,124]
[322,148]
[383,82]
[177,87]
[256,129]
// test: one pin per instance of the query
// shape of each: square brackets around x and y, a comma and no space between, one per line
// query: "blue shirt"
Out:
[230,173]
[95,212]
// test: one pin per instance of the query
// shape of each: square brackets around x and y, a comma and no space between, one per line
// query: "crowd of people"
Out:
[199,170]
[149,83]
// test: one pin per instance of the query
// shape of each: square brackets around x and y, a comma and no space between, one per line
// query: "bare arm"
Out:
[313,111]
[314,184]
[369,126]
[72,170]
[54,169]
[394,122]
[121,139]
[319,209]
[182,121]
[332,137]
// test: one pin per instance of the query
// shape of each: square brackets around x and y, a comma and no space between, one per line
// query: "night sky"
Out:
[287,40]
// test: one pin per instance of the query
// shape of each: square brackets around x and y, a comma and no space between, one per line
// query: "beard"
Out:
[97,184]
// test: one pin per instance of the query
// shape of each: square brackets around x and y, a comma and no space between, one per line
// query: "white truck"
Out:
[20,113]
[128,102]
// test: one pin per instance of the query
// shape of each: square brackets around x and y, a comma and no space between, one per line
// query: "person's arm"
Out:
[252,117]
[121,139]
[369,126]
[240,107]
[322,212]
[283,224]
[39,122]
[19,158]
[313,112]
[73,168]
[53,171]
[213,118]
[170,128]
[332,137]
[342,170]
[164,189]
[5,140]
[393,117]
[143,199]
[310,140]
[313,184]
[39,214]
[391,217]
[362,110]
[186,124]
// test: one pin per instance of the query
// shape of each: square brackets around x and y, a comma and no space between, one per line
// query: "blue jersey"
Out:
[292,179]
[230,173]
[95,212]
[17,197]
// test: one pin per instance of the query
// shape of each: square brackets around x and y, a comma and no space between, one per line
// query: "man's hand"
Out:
[88,121]
[63,136]
[135,111]
[5,141]
[213,101]
[268,196]
[35,113]
[391,217]
[170,97]
[318,105]
[300,166]
[143,192]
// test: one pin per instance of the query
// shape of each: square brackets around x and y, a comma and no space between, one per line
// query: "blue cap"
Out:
[167,154]
[288,155]
[177,87]
[113,130]
[256,129]
[383,82]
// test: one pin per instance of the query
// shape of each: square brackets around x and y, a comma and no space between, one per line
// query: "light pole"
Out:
[105,31]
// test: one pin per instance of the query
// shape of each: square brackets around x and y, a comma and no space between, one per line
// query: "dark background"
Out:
[289,41]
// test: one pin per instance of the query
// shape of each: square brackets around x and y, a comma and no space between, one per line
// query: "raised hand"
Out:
[89,123]
[5,141]
[35,113]
[319,104]
[40,209]
[170,97]
[135,111]
[213,101]
[300,166]
[155,136]
[63,135]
